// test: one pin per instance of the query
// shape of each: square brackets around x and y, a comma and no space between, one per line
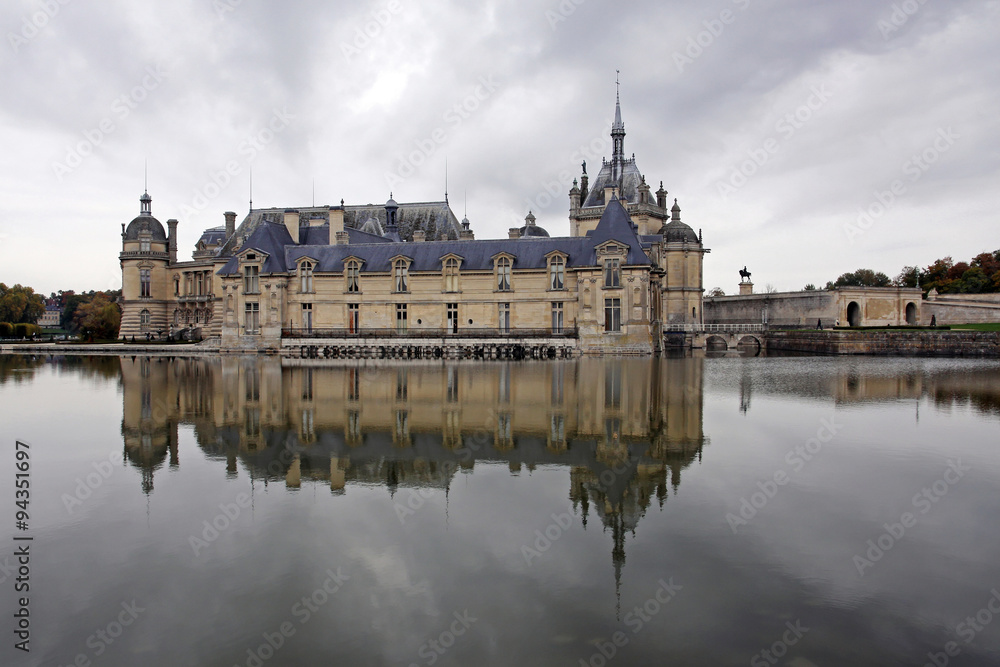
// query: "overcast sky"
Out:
[774,122]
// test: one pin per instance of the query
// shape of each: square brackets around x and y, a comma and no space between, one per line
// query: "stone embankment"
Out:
[888,343]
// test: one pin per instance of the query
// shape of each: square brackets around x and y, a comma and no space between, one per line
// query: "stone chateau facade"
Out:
[629,268]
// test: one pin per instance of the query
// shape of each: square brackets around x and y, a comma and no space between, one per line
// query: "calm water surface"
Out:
[690,511]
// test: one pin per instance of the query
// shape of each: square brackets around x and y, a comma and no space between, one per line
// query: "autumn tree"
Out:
[100,317]
[20,304]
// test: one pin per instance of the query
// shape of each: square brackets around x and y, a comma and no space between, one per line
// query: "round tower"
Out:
[144,260]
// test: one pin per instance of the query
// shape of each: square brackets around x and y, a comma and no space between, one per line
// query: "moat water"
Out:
[683,511]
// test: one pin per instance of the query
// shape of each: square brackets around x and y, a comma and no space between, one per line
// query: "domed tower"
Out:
[144,259]
[683,259]
[532,230]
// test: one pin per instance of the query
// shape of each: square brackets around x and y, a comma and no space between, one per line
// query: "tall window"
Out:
[144,320]
[353,276]
[612,273]
[557,273]
[557,317]
[251,279]
[199,284]
[306,277]
[503,274]
[401,323]
[145,290]
[143,246]
[452,316]
[401,275]
[612,314]
[252,317]
[353,317]
[177,286]
[307,316]
[451,275]
[503,317]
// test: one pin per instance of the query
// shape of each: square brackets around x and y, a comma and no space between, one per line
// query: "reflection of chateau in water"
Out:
[624,428]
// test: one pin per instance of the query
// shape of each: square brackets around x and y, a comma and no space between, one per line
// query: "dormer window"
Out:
[401,276]
[306,277]
[612,272]
[451,274]
[503,274]
[251,279]
[352,273]
[557,272]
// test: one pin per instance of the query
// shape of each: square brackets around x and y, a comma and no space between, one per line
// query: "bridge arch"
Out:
[716,343]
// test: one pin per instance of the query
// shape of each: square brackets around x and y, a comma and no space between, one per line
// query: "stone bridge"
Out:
[714,336]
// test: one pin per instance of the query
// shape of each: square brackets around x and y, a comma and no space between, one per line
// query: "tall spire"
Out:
[618,138]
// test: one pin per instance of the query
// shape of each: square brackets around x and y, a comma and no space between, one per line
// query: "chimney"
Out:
[514,233]
[172,240]
[230,224]
[336,224]
[292,223]
[341,238]
[419,236]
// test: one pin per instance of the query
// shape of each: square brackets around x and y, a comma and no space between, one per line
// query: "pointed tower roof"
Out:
[616,225]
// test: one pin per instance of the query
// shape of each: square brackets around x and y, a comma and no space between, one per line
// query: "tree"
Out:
[770,289]
[71,301]
[716,291]
[809,288]
[909,277]
[20,304]
[99,317]
[861,278]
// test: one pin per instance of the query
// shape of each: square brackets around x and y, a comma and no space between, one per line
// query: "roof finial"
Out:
[251,188]
[145,176]
[446,179]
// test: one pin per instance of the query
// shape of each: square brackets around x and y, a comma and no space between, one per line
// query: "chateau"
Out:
[411,271]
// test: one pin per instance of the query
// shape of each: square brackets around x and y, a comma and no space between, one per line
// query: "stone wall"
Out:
[961,308]
[895,343]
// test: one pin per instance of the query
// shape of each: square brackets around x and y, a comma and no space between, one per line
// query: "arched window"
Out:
[401,276]
[557,273]
[451,275]
[503,274]
[306,277]
[144,320]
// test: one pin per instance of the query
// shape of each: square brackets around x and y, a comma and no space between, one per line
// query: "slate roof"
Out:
[213,236]
[631,179]
[142,223]
[377,253]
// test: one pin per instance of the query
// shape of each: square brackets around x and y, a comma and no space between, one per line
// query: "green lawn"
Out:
[990,326]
